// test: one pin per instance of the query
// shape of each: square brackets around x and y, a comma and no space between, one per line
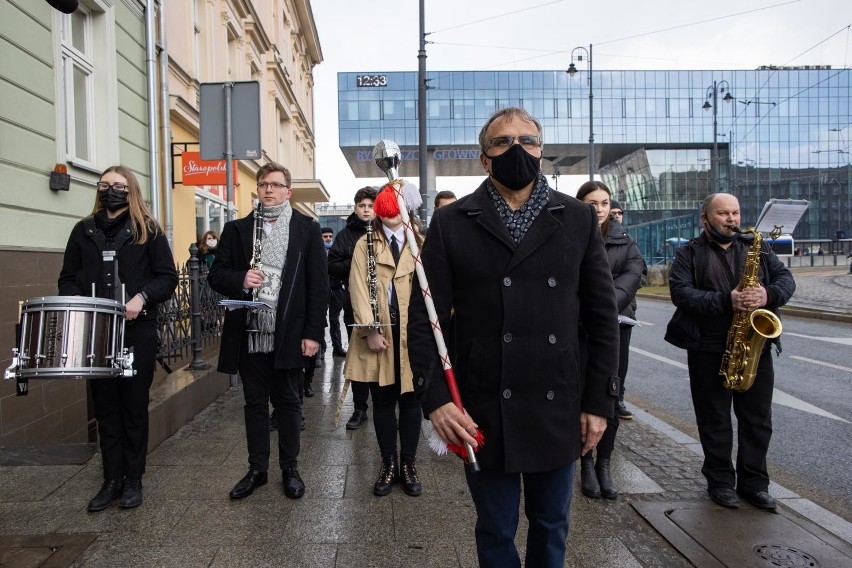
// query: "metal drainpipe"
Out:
[153,143]
[165,130]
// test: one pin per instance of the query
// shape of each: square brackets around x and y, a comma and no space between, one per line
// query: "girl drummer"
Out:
[122,222]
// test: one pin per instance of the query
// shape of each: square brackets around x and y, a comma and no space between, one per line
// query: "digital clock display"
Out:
[371,80]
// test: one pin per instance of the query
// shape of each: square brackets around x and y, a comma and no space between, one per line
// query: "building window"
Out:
[78,69]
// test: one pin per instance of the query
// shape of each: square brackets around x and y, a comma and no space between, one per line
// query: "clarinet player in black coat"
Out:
[294,281]
[122,222]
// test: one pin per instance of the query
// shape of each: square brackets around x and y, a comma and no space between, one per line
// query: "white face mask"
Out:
[212,243]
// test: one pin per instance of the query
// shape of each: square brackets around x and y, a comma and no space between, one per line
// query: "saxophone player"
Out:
[706,291]
[293,281]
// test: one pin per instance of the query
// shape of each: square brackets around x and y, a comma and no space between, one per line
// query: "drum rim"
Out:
[64,372]
[73,303]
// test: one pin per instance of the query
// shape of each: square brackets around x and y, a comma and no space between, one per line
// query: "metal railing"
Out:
[191,319]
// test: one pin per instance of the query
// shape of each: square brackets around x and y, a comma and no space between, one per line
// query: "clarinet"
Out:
[373,279]
[256,264]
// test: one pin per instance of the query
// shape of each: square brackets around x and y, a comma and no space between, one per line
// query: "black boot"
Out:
[588,479]
[309,382]
[408,477]
[388,475]
[132,496]
[110,491]
[608,488]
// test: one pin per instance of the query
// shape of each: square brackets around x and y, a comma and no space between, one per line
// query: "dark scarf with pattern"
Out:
[518,222]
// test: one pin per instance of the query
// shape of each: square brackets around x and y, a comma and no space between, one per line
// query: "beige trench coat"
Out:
[362,364]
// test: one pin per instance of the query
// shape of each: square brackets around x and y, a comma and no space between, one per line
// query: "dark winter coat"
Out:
[302,300]
[517,310]
[340,258]
[148,268]
[626,266]
[701,307]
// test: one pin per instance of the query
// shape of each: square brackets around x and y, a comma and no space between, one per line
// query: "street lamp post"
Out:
[572,70]
[713,93]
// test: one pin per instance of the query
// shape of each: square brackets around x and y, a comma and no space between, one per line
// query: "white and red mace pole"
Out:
[387,156]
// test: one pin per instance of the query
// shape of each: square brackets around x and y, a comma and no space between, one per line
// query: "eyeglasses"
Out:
[273,185]
[503,143]
[105,186]
[619,213]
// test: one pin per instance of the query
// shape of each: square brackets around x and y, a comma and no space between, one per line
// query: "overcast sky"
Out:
[473,35]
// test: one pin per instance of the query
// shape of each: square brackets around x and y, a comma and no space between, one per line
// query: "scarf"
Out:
[518,222]
[273,259]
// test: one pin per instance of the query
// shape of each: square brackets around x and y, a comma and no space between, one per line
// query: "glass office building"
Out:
[778,133]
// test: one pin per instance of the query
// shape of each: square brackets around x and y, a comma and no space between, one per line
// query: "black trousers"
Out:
[607,443]
[335,306]
[385,401]
[753,409]
[121,406]
[360,391]
[263,383]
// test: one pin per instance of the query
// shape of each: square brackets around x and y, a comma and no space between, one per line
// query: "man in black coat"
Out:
[705,288]
[270,361]
[339,265]
[520,267]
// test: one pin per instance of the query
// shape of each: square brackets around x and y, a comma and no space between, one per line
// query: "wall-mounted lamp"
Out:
[60,180]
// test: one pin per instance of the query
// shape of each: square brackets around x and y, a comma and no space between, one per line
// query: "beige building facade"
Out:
[118,82]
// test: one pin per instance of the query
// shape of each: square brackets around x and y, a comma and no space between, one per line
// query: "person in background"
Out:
[626,266]
[378,355]
[207,248]
[616,213]
[271,358]
[121,222]
[335,300]
[705,288]
[444,198]
[339,265]
[520,266]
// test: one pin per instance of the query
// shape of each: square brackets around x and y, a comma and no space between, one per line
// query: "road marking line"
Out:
[840,340]
[778,397]
[824,364]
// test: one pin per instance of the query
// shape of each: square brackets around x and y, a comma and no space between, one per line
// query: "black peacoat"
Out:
[302,300]
[517,310]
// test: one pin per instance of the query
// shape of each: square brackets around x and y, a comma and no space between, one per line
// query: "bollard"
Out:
[198,361]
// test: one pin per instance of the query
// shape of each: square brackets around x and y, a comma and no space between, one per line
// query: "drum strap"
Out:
[110,284]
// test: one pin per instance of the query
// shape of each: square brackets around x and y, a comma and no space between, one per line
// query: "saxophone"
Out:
[749,330]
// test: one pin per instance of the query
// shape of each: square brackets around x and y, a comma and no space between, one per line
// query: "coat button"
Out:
[507,338]
[507,393]
[551,282]
[551,339]
[507,281]
[550,395]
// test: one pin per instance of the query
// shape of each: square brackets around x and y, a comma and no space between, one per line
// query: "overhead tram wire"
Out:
[496,17]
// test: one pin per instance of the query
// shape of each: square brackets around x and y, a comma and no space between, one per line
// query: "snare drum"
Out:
[71,337]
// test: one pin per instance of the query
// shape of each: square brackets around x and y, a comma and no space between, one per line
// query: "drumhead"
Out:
[75,303]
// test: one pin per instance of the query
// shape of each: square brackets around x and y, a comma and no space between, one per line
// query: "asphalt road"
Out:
[810,452]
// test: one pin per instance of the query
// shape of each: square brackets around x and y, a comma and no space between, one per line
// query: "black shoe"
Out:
[309,389]
[388,475]
[608,488]
[359,418]
[110,491]
[302,427]
[408,477]
[132,496]
[338,352]
[294,487]
[622,411]
[724,496]
[761,500]
[246,486]
[588,478]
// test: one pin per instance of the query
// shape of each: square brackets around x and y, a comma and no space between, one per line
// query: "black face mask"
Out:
[113,199]
[515,168]
[719,237]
